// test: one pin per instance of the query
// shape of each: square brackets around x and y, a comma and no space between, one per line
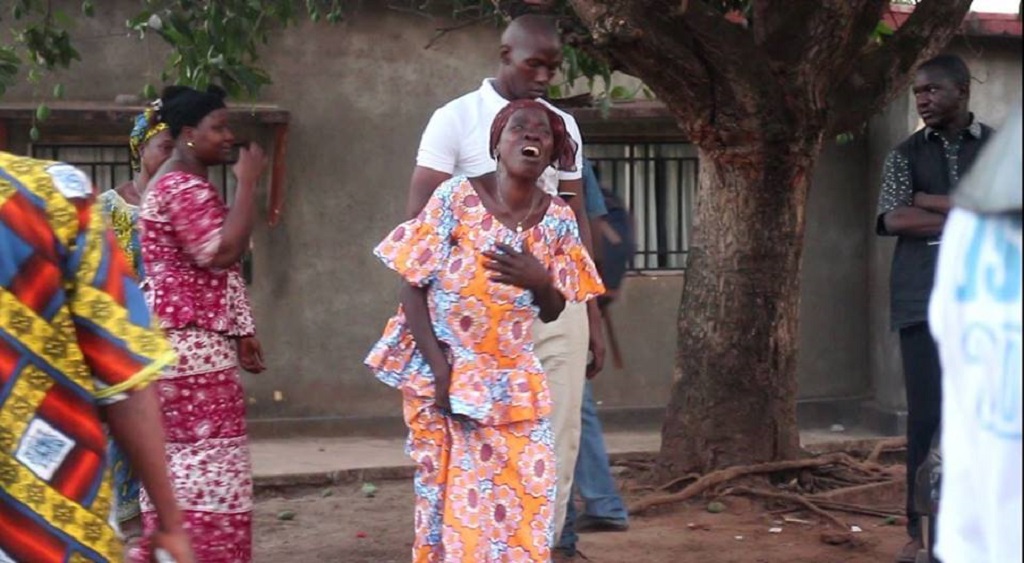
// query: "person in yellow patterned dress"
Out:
[77,344]
[150,144]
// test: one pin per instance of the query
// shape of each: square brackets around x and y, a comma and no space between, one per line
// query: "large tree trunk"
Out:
[735,399]
[757,91]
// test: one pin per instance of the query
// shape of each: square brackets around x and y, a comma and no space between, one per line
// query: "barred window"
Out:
[657,182]
[109,166]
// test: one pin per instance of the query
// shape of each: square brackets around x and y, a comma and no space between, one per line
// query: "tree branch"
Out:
[811,44]
[686,79]
[882,73]
[702,66]
[442,31]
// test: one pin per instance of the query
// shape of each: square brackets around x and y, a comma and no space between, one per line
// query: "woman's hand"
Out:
[175,544]
[250,354]
[521,269]
[442,386]
[252,162]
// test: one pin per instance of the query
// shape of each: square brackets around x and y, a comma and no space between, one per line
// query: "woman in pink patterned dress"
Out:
[191,247]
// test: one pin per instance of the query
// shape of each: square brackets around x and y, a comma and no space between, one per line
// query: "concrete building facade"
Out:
[355,97]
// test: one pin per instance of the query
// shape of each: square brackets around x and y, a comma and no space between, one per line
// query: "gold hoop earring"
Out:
[190,144]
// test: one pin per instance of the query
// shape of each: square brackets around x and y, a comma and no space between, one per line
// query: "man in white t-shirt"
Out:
[975,316]
[455,143]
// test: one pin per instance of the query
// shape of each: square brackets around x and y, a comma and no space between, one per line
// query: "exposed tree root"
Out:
[885,445]
[835,471]
[678,481]
[722,476]
[844,507]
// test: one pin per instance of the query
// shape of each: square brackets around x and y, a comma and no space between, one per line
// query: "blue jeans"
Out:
[592,479]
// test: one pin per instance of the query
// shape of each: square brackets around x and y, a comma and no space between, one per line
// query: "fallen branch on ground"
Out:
[844,507]
[722,476]
[792,498]
[857,509]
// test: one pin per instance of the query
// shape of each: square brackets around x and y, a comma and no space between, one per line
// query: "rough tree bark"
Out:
[738,319]
[757,98]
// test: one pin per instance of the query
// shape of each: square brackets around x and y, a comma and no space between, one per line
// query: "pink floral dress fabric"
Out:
[201,308]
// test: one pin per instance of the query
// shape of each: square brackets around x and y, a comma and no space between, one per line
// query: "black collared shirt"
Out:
[926,162]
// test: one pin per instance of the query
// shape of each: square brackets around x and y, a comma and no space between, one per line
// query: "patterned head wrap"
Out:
[147,125]
[563,154]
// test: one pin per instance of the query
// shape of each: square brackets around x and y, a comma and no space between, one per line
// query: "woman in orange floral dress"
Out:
[484,259]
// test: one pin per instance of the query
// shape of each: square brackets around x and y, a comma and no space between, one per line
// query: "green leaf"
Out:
[42,112]
[62,18]
[606,106]
[33,134]
[369,490]
[88,9]
[139,21]
[286,515]
[716,507]
[149,91]
[9,56]
[58,91]
[621,93]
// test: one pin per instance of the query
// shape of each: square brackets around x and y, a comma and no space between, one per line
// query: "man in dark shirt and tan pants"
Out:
[918,177]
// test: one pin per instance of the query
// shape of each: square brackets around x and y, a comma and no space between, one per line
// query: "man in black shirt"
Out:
[918,177]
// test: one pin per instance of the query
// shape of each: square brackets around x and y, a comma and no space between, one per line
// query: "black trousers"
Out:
[922,374]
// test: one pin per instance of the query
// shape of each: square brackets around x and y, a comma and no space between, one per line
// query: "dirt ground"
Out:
[342,525]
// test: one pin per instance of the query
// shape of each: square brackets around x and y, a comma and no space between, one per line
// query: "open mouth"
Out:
[532,152]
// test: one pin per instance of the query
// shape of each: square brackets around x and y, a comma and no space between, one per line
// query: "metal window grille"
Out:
[109,166]
[657,182]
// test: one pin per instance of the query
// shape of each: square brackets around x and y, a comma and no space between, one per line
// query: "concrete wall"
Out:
[644,319]
[359,95]
[833,359]
[996,67]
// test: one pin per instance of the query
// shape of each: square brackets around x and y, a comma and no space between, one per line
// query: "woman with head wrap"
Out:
[191,247]
[150,144]
[481,263]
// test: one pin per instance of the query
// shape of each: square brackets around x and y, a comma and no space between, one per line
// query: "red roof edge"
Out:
[976,24]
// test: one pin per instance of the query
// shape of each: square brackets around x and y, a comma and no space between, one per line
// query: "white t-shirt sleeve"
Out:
[439,145]
[574,132]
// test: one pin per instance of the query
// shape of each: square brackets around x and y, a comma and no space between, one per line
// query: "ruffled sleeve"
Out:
[195,212]
[574,272]
[416,249]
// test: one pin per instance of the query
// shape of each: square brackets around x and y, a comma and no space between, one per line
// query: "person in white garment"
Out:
[975,316]
[455,142]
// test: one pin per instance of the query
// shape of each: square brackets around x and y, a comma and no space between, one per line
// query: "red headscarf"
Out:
[563,154]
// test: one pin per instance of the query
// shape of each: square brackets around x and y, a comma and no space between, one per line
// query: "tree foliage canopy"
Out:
[219,42]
